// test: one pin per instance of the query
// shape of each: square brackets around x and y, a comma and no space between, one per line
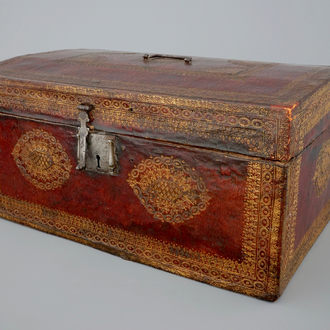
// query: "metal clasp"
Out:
[112,156]
[82,135]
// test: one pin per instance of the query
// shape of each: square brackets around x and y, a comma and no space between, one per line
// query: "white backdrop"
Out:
[50,283]
[291,31]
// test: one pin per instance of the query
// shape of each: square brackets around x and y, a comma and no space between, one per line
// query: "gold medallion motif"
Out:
[322,172]
[42,159]
[169,189]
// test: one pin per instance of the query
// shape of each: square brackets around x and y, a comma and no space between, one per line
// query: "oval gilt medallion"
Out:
[169,189]
[42,160]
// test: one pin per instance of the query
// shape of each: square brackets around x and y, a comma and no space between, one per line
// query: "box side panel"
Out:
[308,203]
[205,215]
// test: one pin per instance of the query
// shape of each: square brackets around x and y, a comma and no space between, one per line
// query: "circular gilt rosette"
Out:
[322,171]
[169,189]
[42,159]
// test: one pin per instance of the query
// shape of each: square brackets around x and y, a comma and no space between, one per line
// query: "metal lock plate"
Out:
[101,153]
[96,151]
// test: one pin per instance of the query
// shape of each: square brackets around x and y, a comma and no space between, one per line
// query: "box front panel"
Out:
[205,215]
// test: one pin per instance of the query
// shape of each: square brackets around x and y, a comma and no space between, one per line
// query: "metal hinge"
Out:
[96,150]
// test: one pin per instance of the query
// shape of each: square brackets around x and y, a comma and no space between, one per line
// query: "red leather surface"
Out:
[309,203]
[110,199]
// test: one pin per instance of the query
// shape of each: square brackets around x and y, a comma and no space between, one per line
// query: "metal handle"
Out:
[187,60]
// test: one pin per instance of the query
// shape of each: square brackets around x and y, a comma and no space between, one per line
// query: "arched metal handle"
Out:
[187,60]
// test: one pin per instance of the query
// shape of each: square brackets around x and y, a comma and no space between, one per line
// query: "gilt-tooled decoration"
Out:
[169,189]
[322,171]
[289,227]
[312,111]
[42,159]
[251,275]
[251,126]
[204,117]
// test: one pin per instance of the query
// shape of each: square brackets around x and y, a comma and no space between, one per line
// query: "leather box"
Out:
[215,170]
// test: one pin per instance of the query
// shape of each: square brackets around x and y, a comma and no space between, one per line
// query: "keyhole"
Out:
[98,161]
